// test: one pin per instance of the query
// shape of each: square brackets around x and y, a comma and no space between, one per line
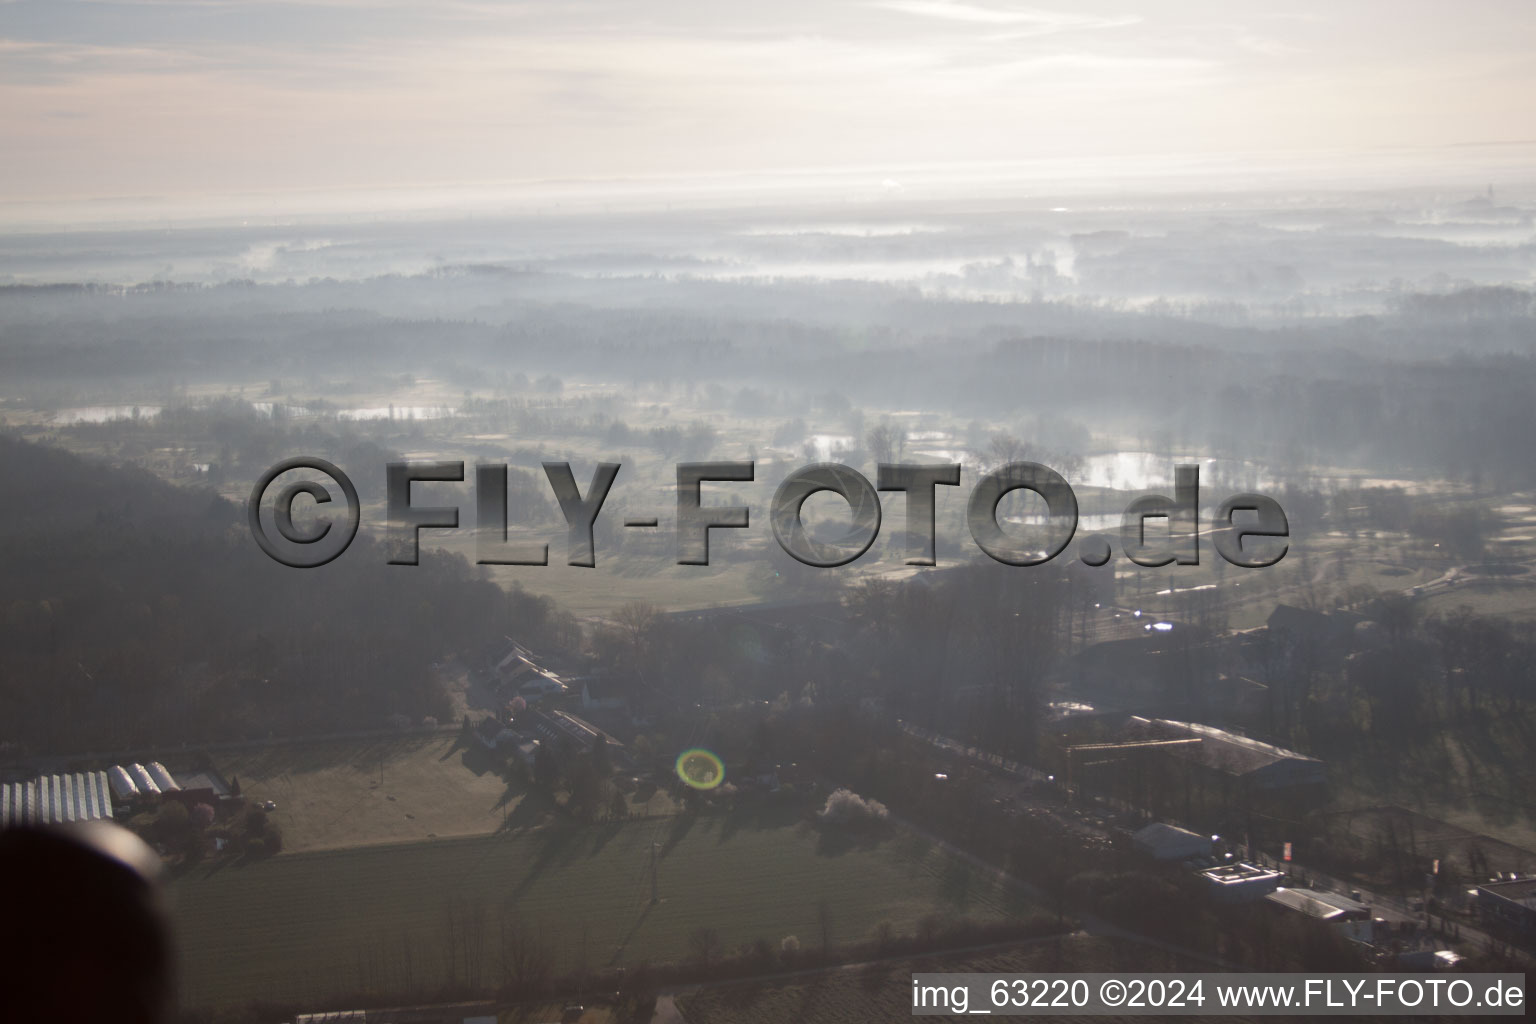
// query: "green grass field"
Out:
[323,925]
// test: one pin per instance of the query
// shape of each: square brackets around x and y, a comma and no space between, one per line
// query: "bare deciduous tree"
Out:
[886,443]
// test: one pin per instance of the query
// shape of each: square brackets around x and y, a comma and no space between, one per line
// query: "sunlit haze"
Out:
[220,105]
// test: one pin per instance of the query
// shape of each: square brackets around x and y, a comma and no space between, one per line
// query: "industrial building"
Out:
[1351,917]
[1511,904]
[1165,842]
[1259,765]
[1241,882]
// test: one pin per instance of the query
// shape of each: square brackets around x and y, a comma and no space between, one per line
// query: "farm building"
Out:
[557,727]
[145,782]
[129,785]
[162,777]
[122,783]
[1162,841]
[193,797]
[543,684]
[206,784]
[513,661]
[518,667]
[132,782]
[56,799]
[1512,904]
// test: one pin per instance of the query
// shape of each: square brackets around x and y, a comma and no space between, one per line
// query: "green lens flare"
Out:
[700,768]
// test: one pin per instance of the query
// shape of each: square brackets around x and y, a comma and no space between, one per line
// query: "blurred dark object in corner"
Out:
[83,937]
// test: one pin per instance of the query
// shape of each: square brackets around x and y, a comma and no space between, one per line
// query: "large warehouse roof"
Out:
[1234,754]
[1163,841]
[55,799]
[1521,891]
[1327,906]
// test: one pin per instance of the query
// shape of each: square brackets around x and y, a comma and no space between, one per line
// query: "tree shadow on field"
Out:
[209,868]
[555,842]
[681,826]
[1496,758]
[480,761]
[757,815]
[604,835]
[956,884]
[836,840]
[511,792]
[629,936]
[529,810]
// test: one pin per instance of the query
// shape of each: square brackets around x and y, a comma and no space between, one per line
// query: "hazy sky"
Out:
[220,96]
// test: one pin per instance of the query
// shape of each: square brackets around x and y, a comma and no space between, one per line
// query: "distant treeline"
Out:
[1438,383]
